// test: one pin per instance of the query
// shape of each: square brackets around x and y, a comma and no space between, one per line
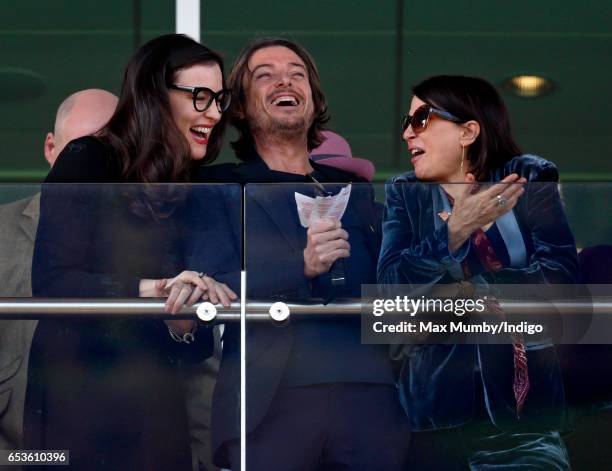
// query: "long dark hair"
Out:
[244,144]
[472,98]
[142,132]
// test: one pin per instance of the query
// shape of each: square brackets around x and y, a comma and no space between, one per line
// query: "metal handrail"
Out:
[35,308]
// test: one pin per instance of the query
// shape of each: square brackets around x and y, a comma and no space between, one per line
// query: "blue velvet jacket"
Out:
[437,382]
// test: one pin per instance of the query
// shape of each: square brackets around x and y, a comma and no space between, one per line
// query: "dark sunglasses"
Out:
[203,97]
[420,118]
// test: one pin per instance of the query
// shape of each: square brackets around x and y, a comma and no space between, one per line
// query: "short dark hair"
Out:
[142,132]
[472,98]
[244,145]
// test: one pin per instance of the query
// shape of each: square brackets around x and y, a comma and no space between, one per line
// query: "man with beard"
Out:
[316,398]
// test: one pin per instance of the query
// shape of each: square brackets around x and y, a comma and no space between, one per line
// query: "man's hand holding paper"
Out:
[326,240]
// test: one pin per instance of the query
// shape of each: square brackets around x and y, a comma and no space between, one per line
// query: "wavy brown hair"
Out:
[245,144]
[142,132]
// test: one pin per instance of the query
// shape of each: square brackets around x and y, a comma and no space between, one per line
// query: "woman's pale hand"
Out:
[188,287]
[476,209]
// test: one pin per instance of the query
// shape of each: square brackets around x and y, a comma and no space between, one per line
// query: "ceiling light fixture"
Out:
[528,86]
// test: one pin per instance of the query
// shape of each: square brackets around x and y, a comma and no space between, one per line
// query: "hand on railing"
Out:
[186,289]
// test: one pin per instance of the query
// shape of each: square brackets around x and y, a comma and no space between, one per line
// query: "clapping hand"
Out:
[475,208]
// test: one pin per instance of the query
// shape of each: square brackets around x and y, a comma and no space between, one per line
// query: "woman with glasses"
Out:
[107,389]
[484,222]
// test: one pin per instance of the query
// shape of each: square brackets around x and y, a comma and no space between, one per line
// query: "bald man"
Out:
[82,113]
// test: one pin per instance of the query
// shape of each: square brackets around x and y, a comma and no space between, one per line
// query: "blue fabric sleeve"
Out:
[407,257]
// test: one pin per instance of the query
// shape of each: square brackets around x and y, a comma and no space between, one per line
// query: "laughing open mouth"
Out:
[201,131]
[285,100]
[201,134]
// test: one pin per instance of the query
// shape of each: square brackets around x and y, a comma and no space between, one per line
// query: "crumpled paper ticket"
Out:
[311,210]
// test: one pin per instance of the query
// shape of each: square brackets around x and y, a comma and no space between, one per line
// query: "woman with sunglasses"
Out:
[108,389]
[476,406]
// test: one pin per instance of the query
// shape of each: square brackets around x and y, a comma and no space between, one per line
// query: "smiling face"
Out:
[436,151]
[278,93]
[195,125]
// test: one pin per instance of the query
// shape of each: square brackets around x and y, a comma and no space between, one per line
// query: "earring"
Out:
[462,159]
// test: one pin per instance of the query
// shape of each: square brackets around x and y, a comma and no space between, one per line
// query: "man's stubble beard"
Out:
[267,125]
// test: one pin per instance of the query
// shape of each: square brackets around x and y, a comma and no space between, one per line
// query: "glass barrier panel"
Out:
[311,246]
[100,352]
[363,320]
[412,307]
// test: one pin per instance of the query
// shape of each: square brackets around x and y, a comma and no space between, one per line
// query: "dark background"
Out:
[368,52]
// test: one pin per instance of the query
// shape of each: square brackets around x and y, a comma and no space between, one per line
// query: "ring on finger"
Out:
[501,201]
[202,275]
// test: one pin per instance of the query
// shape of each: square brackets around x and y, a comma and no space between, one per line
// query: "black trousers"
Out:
[339,426]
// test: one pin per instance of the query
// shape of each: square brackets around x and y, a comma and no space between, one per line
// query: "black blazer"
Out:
[107,389]
[273,259]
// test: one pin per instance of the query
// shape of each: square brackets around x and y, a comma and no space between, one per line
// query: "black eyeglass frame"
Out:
[214,96]
[407,120]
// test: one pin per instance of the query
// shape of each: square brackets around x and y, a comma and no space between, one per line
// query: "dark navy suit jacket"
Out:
[273,258]
[437,382]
